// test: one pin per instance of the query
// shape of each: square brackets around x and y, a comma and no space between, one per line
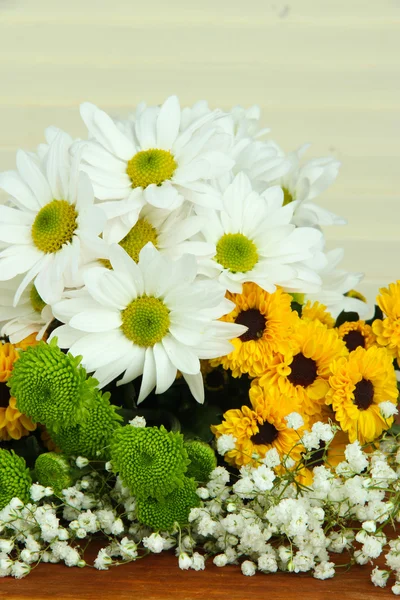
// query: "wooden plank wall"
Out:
[323,71]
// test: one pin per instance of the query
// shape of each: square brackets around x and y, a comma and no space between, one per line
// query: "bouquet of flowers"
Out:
[183,364]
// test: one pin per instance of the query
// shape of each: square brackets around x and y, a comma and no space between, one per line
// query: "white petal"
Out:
[135,367]
[65,309]
[103,128]
[165,370]
[110,288]
[121,261]
[196,386]
[66,336]
[49,286]
[96,320]
[164,196]
[149,375]
[181,356]
[145,128]
[34,177]
[168,122]
[16,260]
[57,162]
[14,216]
[14,234]
[13,184]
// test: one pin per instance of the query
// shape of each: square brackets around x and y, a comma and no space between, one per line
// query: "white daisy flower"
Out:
[262,160]
[336,284]
[255,241]
[53,227]
[151,159]
[171,232]
[304,183]
[31,315]
[149,318]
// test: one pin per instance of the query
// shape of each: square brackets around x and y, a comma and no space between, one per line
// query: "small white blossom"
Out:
[272,458]
[103,560]
[267,563]
[325,570]
[20,569]
[81,462]
[138,422]
[263,478]
[396,588]
[203,493]
[185,562]
[117,527]
[294,420]
[225,443]
[388,409]
[154,543]
[248,568]
[379,577]
[6,546]
[220,560]
[198,563]
[369,526]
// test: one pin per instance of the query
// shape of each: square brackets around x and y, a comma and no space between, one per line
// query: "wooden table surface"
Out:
[158,577]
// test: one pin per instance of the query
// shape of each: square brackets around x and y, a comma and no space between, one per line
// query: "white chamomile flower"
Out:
[154,317]
[255,241]
[53,226]
[337,286]
[171,232]
[150,159]
[305,182]
[31,315]
[263,161]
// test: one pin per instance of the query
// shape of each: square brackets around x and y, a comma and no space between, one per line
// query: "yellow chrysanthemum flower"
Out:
[358,384]
[317,312]
[261,428]
[270,322]
[13,424]
[387,331]
[8,356]
[356,334]
[303,372]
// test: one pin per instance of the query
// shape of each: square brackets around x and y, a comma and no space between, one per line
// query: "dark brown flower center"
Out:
[317,457]
[304,370]
[354,339]
[4,395]
[255,321]
[215,380]
[267,433]
[363,394]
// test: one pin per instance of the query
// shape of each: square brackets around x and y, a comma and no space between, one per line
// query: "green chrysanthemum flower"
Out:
[53,470]
[51,387]
[150,461]
[174,508]
[91,437]
[15,480]
[202,460]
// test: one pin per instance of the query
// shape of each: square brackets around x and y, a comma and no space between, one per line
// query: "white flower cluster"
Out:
[156,216]
[263,520]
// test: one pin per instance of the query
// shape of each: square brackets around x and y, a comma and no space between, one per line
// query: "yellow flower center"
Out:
[37,301]
[287,196]
[140,234]
[236,253]
[145,321]
[54,226]
[151,166]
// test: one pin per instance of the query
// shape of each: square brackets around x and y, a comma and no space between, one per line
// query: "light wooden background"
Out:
[323,71]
